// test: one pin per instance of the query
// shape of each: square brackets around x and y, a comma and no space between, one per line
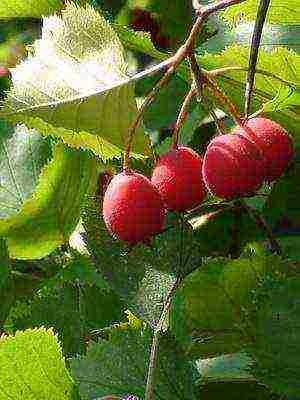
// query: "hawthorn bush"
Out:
[149,200]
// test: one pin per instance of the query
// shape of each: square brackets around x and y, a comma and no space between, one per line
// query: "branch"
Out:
[260,222]
[154,347]
[150,97]
[258,28]
[199,78]
[182,115]
[173,62]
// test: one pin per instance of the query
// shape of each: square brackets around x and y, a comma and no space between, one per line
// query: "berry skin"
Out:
[273,140]
[233,167]
[178,177]
[133,209]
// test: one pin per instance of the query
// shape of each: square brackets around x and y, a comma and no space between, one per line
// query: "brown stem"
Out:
[154,347]
[217,92]
[182,115]
[203,13]
[199,79]
[256,38]
[150,97]
[260,222]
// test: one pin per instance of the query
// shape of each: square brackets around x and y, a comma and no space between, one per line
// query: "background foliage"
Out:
[77,307]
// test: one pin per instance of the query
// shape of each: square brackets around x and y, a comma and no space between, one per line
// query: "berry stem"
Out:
[199,79]
[255,43]
[203,12]
[148,100]
[222,98]
[155,341]
[261,224]
[183,113]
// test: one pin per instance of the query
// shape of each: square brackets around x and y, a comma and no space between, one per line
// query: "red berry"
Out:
[3,71]
[273,140]
[233,166]
[178,177]
[133,209]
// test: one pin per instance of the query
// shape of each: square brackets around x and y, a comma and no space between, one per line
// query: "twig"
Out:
[182,115]
[150,97]
[260,222]
[203,13]
[199,79]
[258,28]
[154,347]
[217,92]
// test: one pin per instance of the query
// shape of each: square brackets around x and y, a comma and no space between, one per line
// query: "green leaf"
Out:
[279,67]
[119,367]
[28,8]
[286,97]
[228,367]
[74,85]
[222,231]
[48,217]
[73,302]
[212,312]
[280,11]
[23,154]
[138,41]
[6,293]
[283,203]
[276,68]
[276,349]
[131,274]
[32,366]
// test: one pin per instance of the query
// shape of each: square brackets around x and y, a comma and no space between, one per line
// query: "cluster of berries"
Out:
[234,165]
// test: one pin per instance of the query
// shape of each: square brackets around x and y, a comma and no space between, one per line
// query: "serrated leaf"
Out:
[28,8]
[280,12]
[74,85]
[32,366]
[142,276]
[130,274]
[283,64]
[286,97]
[47,218]
[23,153]
[138,41]
[119,367]
[276,349]
[74,302]
[212,311]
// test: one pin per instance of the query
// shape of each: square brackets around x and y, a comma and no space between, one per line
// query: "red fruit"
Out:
[233,166]
[3,71]
[133,209]
[273,140]
[178,177]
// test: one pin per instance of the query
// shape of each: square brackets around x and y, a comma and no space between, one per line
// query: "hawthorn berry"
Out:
[273,140]
[233,166]
[133,209]
[178,177]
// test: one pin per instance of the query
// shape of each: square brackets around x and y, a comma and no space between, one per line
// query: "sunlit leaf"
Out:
[280,11]
[28,8]
[32,366]
[47,217]
[74,85]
